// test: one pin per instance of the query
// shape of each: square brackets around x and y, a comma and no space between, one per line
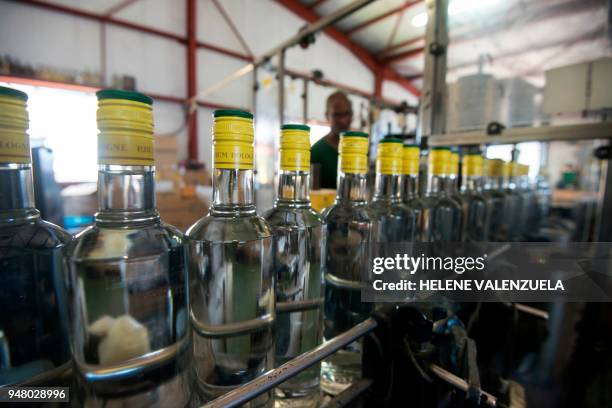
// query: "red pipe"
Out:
[192,78]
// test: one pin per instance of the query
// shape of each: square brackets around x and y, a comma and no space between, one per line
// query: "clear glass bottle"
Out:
[443,215]
[411,157]
[527,199]
[129,302]
[349,238]
[395,221]
[231,273]
[34,347]
[512,203]
[452,178]
[299,238]
[493,192]
[476,208]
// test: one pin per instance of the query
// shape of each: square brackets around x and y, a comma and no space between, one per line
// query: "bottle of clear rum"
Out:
[395,221]
[349,238]
[231,274]
[299,238]
[128,274]
[34,347]
[477,210]
[411,158]
[494,169]
[443,215]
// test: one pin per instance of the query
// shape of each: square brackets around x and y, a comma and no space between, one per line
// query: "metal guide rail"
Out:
[586,131]
[292,368]
[274,377]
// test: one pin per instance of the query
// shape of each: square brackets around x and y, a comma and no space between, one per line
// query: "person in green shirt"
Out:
[324,153]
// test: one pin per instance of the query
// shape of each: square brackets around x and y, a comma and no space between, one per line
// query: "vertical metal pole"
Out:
[192,79]
[281,87]
[432,113]
[305,101]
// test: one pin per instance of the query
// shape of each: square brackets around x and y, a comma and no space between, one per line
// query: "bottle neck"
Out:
[351,187]
[435,184]
[293,188]
[450,184]
[16,193]
[387,187]
[494,183]
[471,184]
[126,194]
[232,192]
[409,186]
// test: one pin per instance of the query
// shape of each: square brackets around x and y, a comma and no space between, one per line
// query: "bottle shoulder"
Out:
[97,242]
[383,208]
[37,234]
[292,217]
[214,228]
[341,212]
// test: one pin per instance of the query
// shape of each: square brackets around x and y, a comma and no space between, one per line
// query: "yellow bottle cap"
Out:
[125,122]
[495,167]
[410,160]
[453,164]
[438,160]
[353,152]
[473,165]
[508,169]
[14,123]
[295,148]
[233,136]
[389,157]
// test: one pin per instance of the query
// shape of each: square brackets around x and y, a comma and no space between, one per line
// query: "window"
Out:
[64,121]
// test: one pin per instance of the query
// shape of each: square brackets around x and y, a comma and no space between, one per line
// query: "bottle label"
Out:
[389,158]
[229,154]
[472,165]
[353,163]
[14,147]
[295,150]
[125,149]
[126,133]
[410,160]
[438,160]
[295,160]
[353,145]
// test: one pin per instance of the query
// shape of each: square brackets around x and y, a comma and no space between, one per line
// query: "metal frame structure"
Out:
[380,67]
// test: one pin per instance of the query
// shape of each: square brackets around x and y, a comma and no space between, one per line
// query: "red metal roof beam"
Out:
[316,4]
[131,26]
[404,55]
[118,7]
[383,16]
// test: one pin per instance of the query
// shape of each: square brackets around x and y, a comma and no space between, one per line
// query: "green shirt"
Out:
[327,157]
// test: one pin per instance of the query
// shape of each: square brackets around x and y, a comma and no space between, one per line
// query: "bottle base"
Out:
[340,370]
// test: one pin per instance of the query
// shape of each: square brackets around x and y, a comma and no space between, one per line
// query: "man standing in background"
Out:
[324,153]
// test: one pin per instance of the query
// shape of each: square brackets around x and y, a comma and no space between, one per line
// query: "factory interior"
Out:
[231,313]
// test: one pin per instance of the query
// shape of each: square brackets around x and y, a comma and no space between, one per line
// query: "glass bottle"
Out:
[34,347]
[411,157]
[477,210]
[129,301]
[452,178]
[527,201]
[395,221]
[443,215]
[512,203]
[299,238]
[231,274]
[349,236]
[493,192]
